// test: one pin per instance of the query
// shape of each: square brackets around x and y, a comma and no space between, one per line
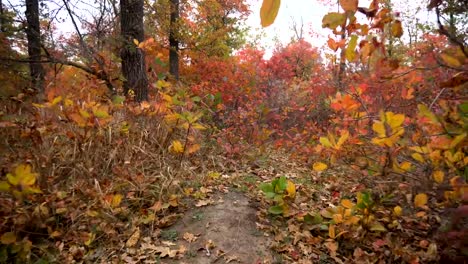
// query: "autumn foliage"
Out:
[381,130]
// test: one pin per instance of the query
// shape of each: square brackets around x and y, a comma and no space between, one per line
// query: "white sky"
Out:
[308,12]
[311,12]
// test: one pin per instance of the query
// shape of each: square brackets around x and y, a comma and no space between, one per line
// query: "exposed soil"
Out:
[226,233]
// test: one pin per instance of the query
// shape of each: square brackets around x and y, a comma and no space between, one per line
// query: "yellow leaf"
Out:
[346,203]
[162,84]
[291,189]
[269,11]
[325,142]
[84,113]
[418,157]
[379,128]
[22,176]
[397,210]
[457,140]
[438,176]
[333,19]
[116,200]
[338,218]
[177,146]
[350,52]
[343,138]
[56,100]
[450,61]
[394,120]
[349,5]
[8,238]
[420,200]
[4,186]
[92,213]
[91,237]
[331,231]
[405,165]
[319,166]
[136,42]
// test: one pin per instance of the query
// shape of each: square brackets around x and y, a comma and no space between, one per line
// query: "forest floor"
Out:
[230,222]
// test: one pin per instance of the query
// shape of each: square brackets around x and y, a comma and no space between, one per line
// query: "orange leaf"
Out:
[349,5]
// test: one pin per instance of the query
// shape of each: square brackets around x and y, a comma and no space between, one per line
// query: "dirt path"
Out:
[224,232]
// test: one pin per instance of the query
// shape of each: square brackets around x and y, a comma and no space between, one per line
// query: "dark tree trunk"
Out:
[2,21]
[133,58]
[173,41]
[33,33]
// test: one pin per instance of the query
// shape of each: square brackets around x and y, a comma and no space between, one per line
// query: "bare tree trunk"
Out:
[33,33]
[133,58]
[2,21]
[173,41]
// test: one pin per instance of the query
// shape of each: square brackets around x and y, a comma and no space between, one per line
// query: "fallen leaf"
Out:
[8,238]
[319,166]
[133,240]
[420,200]
[189,237]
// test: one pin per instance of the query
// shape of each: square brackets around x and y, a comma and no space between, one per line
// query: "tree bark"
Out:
[173,41]
[33,33]
[133,58]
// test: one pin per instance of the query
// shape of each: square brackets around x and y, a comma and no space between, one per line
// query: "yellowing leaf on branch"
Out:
[350,50]
[269,11]
[346,203]
[333,19]
[450,60]
[420,200]
[291,189]
[319,166]
[389,129]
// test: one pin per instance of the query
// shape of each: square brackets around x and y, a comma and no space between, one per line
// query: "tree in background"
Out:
[173,40]
[34,45]
[133,58]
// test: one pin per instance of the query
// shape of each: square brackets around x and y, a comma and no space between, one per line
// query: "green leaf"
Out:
[276,209]
[270,195]
[463,108]
[266,187]
[333,19]
[116,99]
[313,219]
[269,11]
[282,184]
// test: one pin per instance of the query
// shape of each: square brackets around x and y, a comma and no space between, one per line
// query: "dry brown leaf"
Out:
[133,240]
